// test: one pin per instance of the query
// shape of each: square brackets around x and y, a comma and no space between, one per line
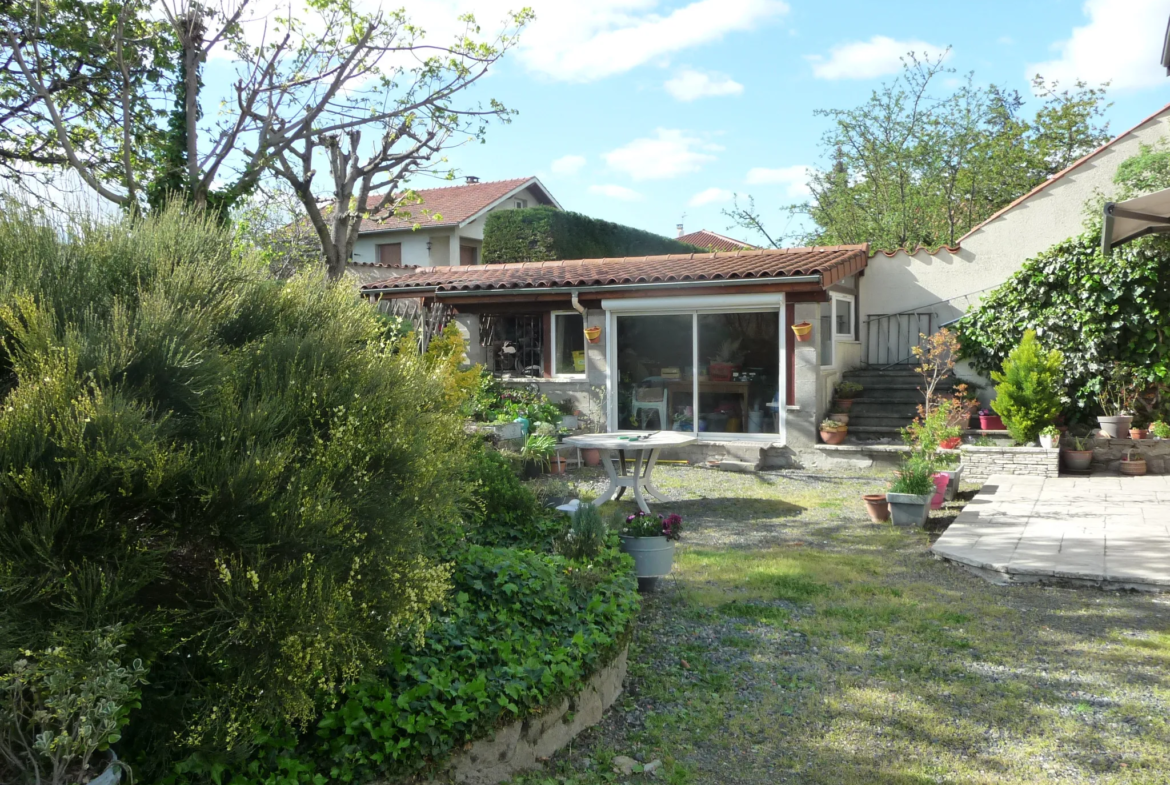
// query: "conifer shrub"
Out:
[1028,390]
[243,472]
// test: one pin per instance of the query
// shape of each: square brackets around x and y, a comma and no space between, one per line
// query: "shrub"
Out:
[932,428]
[1028,393]
[585,537]
[502,510]
[915,476]
[545,234]
[62,706]
[239,469]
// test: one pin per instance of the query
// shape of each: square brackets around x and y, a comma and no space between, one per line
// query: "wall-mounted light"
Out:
[428,246]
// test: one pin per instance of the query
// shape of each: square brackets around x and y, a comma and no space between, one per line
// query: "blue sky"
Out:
[643,111]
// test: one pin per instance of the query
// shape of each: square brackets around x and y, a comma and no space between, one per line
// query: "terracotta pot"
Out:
[951,443]
[1077,460]
[558,464]
[991,422]
[803,331]
[1134,468]
[593,334]
[840,417]
[833,437]
[591,456]
[1137,433]
[844,404]
[876,506]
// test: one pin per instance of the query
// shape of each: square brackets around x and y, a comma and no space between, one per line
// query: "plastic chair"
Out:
[649,398]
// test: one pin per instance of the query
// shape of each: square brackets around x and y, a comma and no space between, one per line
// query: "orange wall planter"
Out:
[803,331]
[593,334]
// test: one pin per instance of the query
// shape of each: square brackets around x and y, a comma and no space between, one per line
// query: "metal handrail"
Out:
[912,318]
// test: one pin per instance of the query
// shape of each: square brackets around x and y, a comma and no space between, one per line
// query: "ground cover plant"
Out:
[799,643]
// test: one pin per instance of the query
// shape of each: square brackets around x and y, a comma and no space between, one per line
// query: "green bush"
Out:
[502,510]
[916,477]
[1095,311]
[545,233]
[241,470]
[517,636]
[1028,390]
[585,537]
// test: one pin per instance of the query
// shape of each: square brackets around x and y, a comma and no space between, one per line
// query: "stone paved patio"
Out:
[1112,532]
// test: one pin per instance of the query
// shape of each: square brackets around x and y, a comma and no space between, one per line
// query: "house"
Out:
[689,342]
[445,228]
[712,241]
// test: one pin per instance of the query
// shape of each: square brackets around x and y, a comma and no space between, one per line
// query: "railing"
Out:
[890,338]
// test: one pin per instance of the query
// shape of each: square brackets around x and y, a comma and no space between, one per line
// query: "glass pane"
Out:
[569,353]
[826,333]
[844,310]
[654,361]
[739,374]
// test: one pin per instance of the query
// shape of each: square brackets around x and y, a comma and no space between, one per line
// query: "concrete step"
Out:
[906,409]
[874,419]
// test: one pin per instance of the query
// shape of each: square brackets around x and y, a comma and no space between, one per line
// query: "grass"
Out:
[800,643]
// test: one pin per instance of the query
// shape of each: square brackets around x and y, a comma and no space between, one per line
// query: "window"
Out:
[390,253]
[468,254]
[836,325]
[521,204]
[568,340]
[515,343]
[843,317]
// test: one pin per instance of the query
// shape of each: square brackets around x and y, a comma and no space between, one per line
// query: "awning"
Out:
[1134,218]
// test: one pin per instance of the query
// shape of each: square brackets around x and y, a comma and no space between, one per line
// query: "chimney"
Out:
[680,230]
[471,179]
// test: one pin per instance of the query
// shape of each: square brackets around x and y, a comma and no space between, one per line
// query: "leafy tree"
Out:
[910,167]
[1029,388]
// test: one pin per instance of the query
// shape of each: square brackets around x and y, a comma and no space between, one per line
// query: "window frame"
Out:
[521,204]
[553,334]
[852,334]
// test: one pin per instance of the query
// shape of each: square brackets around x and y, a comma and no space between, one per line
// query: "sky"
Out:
[654,113]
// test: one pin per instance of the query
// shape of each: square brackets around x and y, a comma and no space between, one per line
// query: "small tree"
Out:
[1028,390]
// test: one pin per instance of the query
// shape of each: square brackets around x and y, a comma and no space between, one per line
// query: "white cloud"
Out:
[794,177]
[710,196]
[669,153]
[1121,44]
[568,164]
[619,192]
[690,84]
[878,56]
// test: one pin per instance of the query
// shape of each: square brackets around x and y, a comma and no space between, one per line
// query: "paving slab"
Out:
[1111,532]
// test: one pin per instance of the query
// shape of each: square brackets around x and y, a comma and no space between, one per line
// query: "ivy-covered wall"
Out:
[1097,310]
[540,234]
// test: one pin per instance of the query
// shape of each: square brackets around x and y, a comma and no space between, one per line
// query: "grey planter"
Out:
[1115,427]
[953,478]
[507,431]
[653,556]
[908,509]
[570,421]
[112,775]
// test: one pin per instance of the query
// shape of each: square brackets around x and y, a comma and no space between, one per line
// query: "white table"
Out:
[645,454]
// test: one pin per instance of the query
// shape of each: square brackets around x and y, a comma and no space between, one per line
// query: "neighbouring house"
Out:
[712,241]
[687,342]
[445,229]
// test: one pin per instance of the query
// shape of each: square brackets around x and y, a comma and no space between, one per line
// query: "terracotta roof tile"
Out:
[831,263]
[714,242]
[449,206]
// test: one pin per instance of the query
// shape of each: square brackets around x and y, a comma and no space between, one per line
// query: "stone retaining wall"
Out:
[1107,453]
[979,463]
[523,744]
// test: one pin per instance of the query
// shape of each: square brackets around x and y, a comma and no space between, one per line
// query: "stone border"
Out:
[979,463]
[525,743]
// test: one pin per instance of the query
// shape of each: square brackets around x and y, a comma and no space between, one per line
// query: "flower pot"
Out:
[877,507]
[570,421]
[593,334]
[953,476]
[720,372]
[951,443]
[591,456]
[991,422]
[840,417]
[803,331]
[112,775]
[1049,442]
[941,480]
[653,556]
[833,437]
[844,404]
[908,509]
[1077,460]
[1137,434]
[1114,426]
[557,464]
[1133,468]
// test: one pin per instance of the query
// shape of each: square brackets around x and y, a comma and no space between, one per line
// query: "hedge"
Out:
[545,234]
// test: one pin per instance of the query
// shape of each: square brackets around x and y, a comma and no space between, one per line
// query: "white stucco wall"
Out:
[989,255]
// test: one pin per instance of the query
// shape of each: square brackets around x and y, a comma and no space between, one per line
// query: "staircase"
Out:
[889,401]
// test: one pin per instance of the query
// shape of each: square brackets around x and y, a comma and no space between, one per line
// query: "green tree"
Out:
[1029,388]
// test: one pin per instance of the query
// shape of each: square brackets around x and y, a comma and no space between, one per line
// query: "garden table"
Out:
[645,448]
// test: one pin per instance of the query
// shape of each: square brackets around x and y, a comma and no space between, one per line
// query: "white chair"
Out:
[648,400]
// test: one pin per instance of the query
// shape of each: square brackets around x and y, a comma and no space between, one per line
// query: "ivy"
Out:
[1096,311]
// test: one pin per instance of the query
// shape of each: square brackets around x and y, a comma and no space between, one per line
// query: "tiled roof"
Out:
[452,205]
[831,263]
[714,242]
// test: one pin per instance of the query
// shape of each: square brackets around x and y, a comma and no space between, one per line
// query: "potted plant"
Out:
[847,391]
[537,450]
[1050,437]
[833,432]
[725,361]
[1159,430]
[1137,434]
[1132,464]
[1077,454]
[990,421]
[649,539]
[803,331]
[950,442]
[910,494]
[1117,398]
[593,334]
[877,507]
[841,417]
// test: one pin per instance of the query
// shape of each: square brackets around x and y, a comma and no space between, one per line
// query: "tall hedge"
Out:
[244,472]
[1095,310]
[545,234]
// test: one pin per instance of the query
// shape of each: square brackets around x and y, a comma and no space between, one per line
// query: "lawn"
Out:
[798,642]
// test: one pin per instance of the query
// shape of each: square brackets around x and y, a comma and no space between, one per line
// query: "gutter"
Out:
[574,290]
